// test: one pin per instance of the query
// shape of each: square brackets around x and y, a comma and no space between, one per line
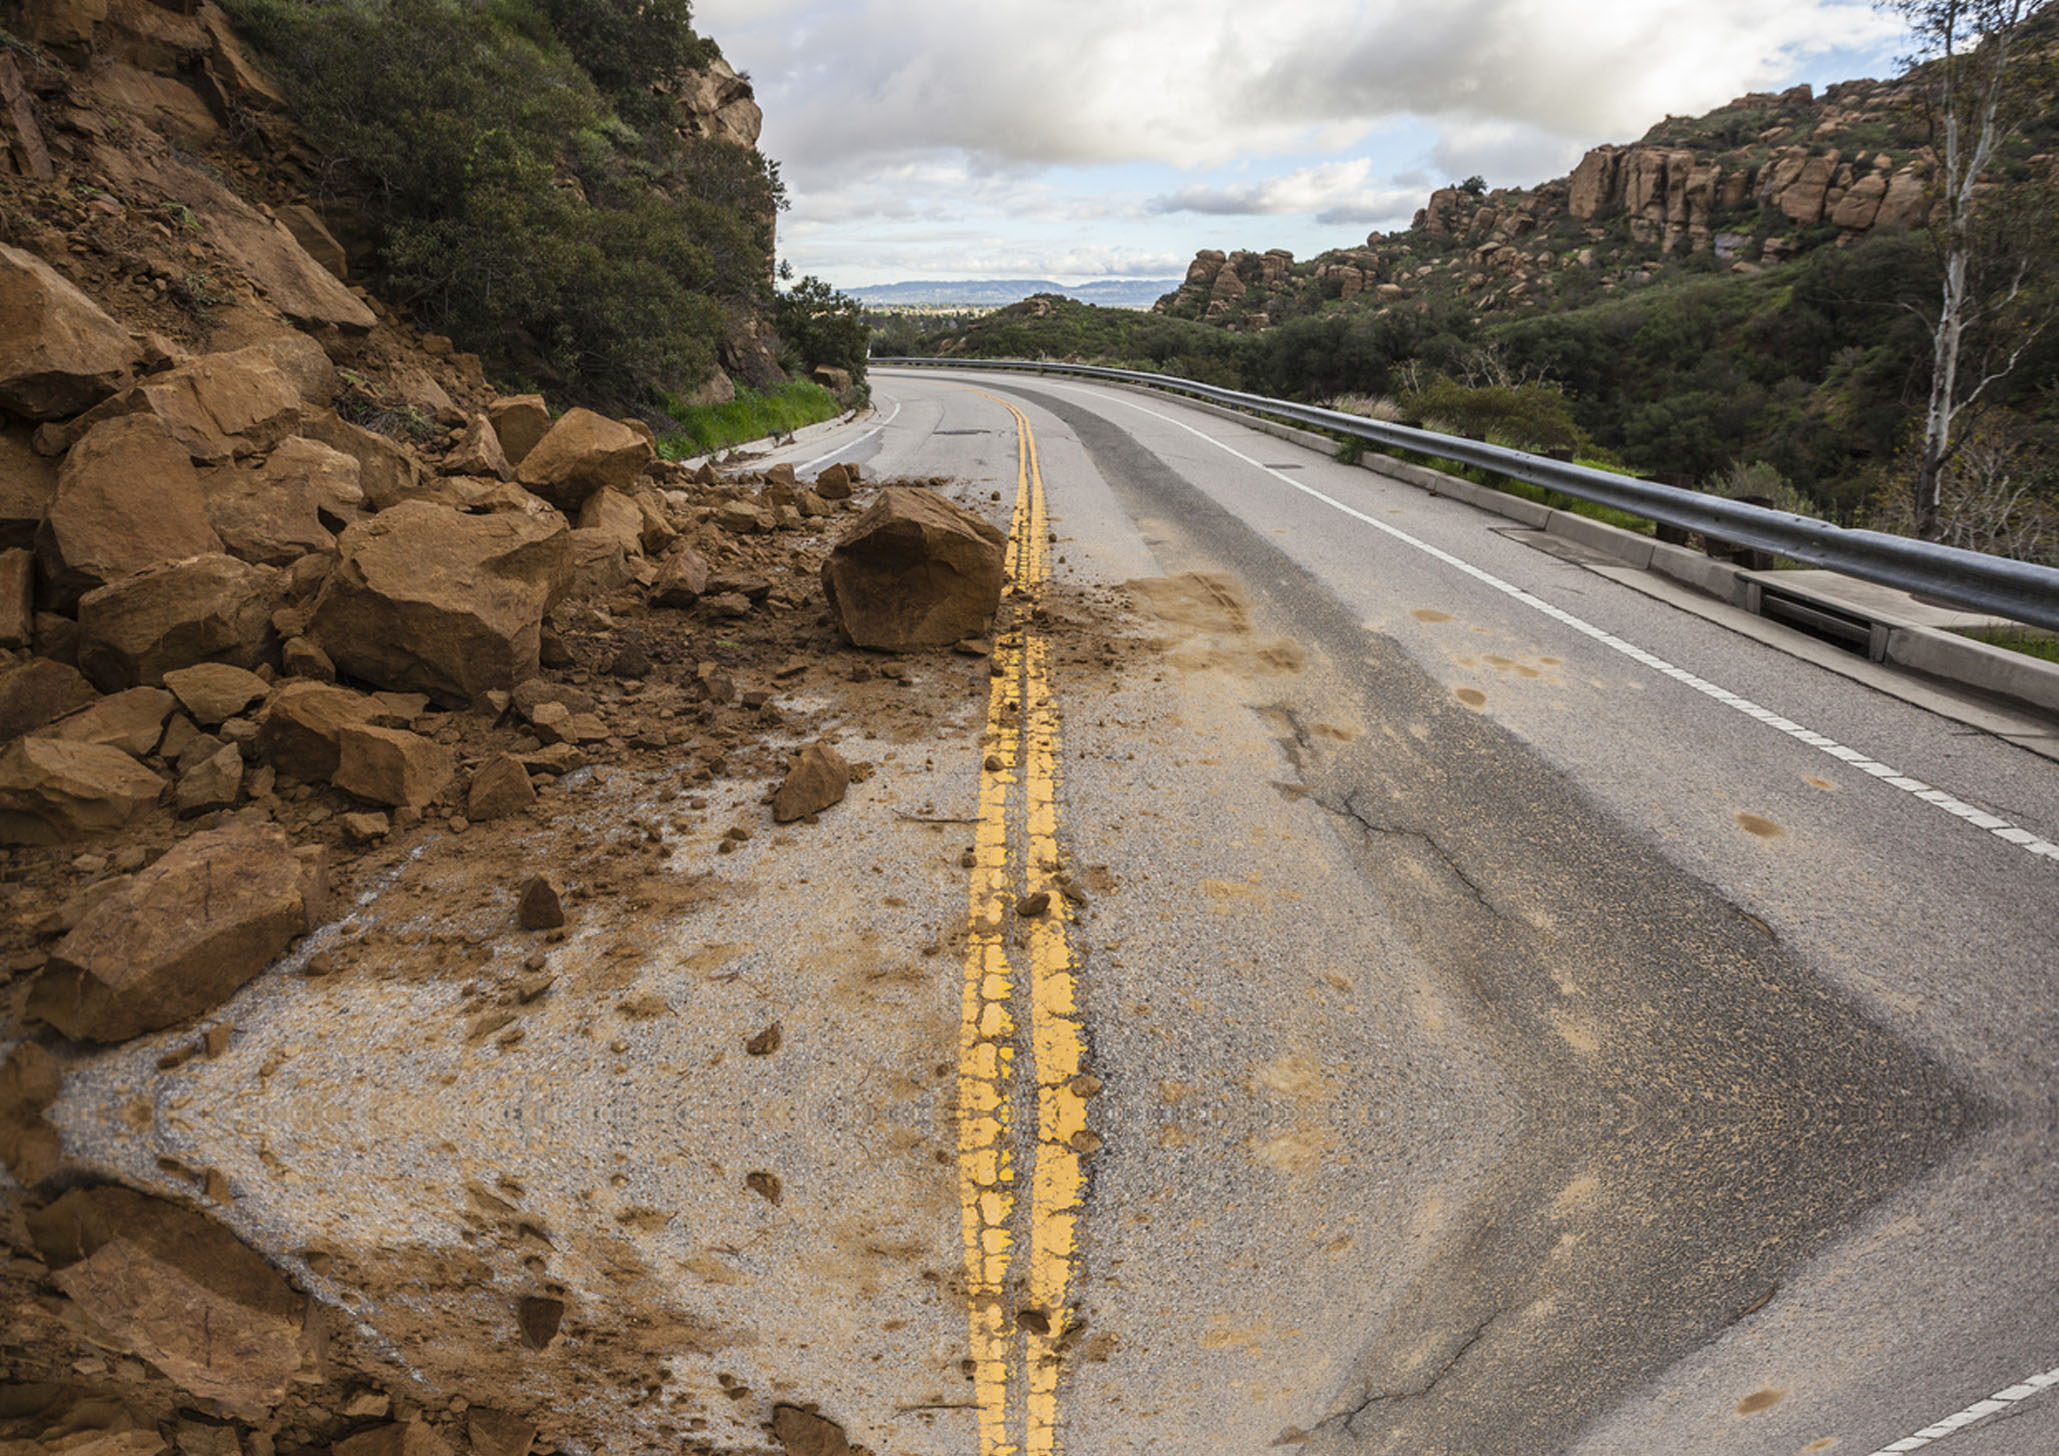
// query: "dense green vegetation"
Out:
[526,189]
[752,415]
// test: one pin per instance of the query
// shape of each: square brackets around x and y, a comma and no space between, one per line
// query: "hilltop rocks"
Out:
[183,935]
[59,352]
[915,571]
[428,600]
[719,104]
[52,790]
[583,453]
[128,498]
[180,1290]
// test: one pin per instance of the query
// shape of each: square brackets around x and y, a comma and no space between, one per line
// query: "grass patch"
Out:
[2016,639]
[752,415]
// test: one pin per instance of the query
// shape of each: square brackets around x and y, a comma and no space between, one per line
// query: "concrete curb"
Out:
[2023,680]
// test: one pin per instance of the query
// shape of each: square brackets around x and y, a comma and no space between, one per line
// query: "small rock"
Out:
[765,1185]
[804,1433]
[392,766]
[1031,906]
[538,1319]
[819,778]
[765,1043]
[728,605]
[540,906]
[499,788]
[365,828]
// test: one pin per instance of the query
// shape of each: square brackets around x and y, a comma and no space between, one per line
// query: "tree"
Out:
[819,325]
[1974,66]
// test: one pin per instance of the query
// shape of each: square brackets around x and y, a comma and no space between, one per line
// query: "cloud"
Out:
[1197,82]
[1334,192]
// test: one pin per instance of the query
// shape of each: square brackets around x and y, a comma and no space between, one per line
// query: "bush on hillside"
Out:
[513,206]
[821,326]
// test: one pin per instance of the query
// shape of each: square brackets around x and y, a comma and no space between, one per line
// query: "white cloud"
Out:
[1331,192]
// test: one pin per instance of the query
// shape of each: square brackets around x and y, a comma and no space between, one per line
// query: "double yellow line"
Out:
[1020,1329]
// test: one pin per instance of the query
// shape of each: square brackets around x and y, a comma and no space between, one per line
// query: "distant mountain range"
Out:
[1000,292]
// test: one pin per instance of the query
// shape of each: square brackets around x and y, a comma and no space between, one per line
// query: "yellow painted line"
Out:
[1021,744]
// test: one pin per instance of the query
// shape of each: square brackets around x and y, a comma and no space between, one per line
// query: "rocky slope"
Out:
[1755,182]
[289,594]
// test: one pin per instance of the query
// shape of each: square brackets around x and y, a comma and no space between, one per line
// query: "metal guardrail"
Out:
[2019,590]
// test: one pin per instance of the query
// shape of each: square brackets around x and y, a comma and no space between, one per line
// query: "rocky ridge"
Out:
[1754,183]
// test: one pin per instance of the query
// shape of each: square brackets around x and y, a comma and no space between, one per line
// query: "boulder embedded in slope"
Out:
[584,452]
[180,1290]
[128,498]
[302,732]
[206,609]
[28,486]
[52,791]
[37,692]
[219,406]
[17,598]
[682,578]
[428,600]
[275,513]
[60,353]
[519,421]
[915,571]
[184,935]
[479,452]
[132,721]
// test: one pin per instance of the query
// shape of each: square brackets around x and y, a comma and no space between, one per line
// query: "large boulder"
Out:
[478,452]
[128,498]
[428,600]
[178,1289]
[219,406]
[59,352]
[132,721]
[386,471]
[915,571]
[275,513]
[519,422]
[52,791]
[392,766]
[184,935]
[37,692]
[302,732]
[584,452]
[206,609]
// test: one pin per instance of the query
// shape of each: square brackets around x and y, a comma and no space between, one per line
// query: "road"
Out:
[1480,1008]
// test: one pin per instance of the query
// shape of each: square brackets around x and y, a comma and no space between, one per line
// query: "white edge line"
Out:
[2001,829]
[2001,1400]
[820,459]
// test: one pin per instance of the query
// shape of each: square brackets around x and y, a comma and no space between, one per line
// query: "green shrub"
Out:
[512,205]
[752,415]
[821,326]
[1531,417]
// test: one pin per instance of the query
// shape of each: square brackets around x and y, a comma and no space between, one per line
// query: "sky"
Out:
[1082,139]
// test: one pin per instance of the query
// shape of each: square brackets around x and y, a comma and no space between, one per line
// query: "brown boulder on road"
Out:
[584,452]
[179,1290]
[184,935]
[429,600]
[915,571]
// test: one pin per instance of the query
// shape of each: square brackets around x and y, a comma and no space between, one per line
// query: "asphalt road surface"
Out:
[1479,1007]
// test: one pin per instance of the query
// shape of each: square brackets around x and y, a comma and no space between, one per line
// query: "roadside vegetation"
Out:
[752,415]
[518,176]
